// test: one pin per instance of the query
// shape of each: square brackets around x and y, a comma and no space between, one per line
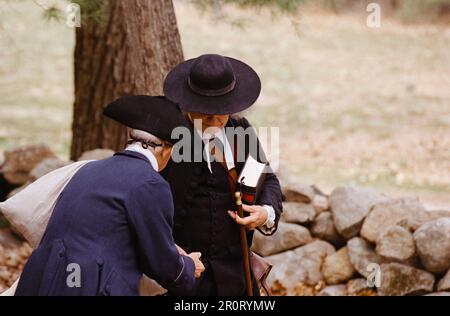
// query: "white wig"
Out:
[144,137]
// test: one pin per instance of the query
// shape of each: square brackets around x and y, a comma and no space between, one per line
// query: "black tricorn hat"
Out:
[212,84]
[153,114]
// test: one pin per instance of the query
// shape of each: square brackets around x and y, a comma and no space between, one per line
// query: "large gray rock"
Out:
[357,286]
[409,211]
[432,215]
[295,191]
[323,228]
[3,222]
[337,267]
[21,160]
[320,203]
[433,244]
[333,290]
[46,166]
[8,239]
[299,213]
[42,168]
[350,205]
[361,255]
[444,283]
[302,265]
[96,154]
[288,236]
[399,279]
[395,243]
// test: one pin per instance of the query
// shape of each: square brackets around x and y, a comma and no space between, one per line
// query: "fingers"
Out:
[198,273]
[250,222]
[249,208]
[247,220]
[235,217]
[254,223]
[195,255]
[232,214]
[199,267]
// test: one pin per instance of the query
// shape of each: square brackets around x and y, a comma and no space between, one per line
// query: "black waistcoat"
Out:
[203,224]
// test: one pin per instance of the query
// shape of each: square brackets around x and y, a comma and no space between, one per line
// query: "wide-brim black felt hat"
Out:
[153,114]
[213,84]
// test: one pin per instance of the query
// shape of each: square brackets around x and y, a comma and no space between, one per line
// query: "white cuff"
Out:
[269,226]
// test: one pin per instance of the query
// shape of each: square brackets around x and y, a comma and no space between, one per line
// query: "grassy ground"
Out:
[354,104]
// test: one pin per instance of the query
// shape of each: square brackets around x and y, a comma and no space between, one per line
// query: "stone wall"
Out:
[331,245]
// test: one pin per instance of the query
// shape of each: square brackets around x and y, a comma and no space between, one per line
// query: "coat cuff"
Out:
[184,283]
[269,226]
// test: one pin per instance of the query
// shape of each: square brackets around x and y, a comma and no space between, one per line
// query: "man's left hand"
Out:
[181,251]
[258,216]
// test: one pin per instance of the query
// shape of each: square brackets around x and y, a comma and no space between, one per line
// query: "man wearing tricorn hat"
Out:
[114,217]
[209,89]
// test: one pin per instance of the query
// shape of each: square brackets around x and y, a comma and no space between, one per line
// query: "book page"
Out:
[251,172]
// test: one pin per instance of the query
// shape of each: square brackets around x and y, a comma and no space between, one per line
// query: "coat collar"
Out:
[137,147]
[132,154]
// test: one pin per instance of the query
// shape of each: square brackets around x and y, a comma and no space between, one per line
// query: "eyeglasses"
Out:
[146,144]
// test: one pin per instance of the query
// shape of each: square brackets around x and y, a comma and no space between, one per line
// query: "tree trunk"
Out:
[130,52]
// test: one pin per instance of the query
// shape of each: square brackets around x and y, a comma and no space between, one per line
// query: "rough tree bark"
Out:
[130,52]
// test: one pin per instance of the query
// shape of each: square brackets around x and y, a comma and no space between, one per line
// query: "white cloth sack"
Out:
[29,211]
[11,290]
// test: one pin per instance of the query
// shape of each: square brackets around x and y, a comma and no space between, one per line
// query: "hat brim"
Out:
[153,114]
[244,94]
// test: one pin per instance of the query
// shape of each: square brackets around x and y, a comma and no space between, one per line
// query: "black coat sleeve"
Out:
[271,190]
[150,212]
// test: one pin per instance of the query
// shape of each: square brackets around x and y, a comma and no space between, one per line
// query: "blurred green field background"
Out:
[354,104]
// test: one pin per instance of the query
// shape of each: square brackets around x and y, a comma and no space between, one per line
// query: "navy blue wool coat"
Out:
[114,221]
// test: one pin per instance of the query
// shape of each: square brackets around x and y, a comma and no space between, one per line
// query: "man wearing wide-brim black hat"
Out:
[211,88]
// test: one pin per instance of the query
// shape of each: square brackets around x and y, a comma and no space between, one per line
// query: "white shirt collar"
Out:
[222,137]
[137,147]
